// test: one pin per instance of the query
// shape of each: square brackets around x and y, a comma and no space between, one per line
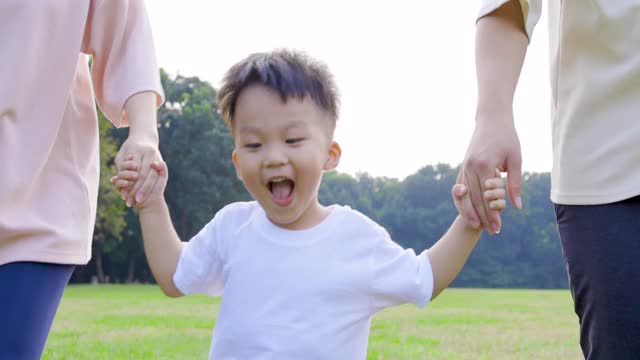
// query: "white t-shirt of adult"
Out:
[595,106]
[298,294]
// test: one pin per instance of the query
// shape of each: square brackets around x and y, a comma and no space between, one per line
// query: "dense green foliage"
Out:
[416,211]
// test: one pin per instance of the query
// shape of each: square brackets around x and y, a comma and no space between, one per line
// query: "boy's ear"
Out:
[334,156]
[234,158]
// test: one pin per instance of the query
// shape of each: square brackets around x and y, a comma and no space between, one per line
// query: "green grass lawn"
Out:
[138,322]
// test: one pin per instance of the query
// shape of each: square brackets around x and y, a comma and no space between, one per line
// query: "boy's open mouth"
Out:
[281,190]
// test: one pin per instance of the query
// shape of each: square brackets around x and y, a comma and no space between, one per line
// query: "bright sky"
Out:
[405,70]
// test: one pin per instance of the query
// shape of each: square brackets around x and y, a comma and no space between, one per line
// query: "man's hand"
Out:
[493,196]
[501,45]
[494,145]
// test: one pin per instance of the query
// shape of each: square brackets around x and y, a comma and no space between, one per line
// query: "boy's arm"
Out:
[501,44]
[450,253]
[162,246]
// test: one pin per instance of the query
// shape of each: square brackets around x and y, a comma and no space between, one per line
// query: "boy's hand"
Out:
[126,178]
[493,195]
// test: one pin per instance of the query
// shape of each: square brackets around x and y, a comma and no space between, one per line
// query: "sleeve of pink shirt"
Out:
[118,36]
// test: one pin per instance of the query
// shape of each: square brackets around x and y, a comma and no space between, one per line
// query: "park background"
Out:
[407,80]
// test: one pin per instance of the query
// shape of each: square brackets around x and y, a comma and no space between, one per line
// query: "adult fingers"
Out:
[122,184]
[143,172]
[128,175]
[147,186]
[489,218]
[466,208]
[514,180]
[475,180]
[128,165]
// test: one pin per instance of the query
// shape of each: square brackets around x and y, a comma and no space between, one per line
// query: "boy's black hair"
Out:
[290,73]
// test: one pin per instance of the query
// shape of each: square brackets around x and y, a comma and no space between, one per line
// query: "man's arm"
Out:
[501,44]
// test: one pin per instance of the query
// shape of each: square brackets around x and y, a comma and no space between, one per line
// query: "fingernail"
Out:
[475,223]
[139,197]
[496,228]
[129,203]
[519,202]
[122,195]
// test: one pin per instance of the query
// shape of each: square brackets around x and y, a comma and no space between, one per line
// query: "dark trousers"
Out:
[29,298]
[601,248]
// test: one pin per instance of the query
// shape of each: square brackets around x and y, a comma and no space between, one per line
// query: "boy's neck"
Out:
[315,214]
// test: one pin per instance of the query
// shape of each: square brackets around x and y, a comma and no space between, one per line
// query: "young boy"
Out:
[300,280]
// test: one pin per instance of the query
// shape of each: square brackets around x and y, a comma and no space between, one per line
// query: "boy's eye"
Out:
[252,145]
[294,140]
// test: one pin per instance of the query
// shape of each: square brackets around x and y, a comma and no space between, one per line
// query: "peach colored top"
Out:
[49,163]
[594,62]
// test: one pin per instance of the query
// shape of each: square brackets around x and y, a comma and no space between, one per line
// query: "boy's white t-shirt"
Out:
[298,294]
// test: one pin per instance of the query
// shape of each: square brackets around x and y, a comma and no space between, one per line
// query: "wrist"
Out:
[142,115]
[467,226]
[152,205]
[144,135]
[494,113]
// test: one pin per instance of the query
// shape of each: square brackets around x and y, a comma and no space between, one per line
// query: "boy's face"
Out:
[281,151]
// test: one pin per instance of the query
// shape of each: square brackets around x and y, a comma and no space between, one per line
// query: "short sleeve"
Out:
[199,269]
[531,12]
[118,36]
[399,275]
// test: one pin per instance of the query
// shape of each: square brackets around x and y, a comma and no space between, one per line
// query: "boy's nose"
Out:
[275,157]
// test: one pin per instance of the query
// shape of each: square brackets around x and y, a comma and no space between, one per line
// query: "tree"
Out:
[111,209]
[197,146]
[416,211]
